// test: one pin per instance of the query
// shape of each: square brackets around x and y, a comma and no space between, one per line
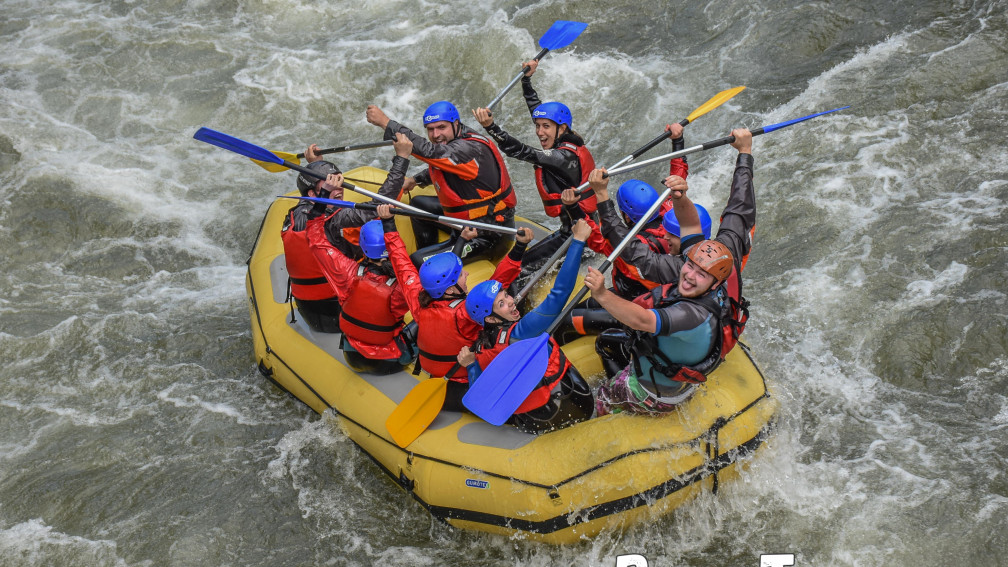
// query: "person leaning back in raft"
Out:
[468,173]
[682,330]
[436,296]
[562,396]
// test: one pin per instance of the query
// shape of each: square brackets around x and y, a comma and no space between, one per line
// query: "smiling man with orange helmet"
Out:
[680,331]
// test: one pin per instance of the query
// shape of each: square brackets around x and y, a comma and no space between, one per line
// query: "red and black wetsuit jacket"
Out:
[372,299]
[443,327]
[469,173]
[628,279]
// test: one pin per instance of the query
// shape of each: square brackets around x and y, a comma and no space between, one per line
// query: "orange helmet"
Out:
[712,257]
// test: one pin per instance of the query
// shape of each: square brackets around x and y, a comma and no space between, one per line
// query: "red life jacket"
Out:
[306,278]
[488,202]
[627,278]
[439,341]
[725,302]
[556,367]
[367,312]
[551,199]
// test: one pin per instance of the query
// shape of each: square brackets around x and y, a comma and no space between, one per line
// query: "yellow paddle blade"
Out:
[275,167]
[417,410]
[715,101]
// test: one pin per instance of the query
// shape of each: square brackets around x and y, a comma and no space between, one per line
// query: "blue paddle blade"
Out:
[779,125]
[508,380]
[561,34]
[222,140]
[335,202]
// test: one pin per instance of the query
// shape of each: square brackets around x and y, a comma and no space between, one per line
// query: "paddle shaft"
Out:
[714,143]
[646,218]
[339,149]
[418,213]
[542,271]
[515,80]
[399,210]
[583,189]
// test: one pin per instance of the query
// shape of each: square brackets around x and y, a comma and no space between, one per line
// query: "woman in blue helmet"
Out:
[562,163]
[436,294]
[562,397]
[375,338]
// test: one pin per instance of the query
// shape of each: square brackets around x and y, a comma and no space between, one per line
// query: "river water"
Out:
[135,430]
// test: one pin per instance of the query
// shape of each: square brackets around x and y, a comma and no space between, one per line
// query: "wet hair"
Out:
[426,299]
[487,337]
[572,137]
[380,266]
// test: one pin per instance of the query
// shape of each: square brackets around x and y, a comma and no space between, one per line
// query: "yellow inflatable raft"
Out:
[602,474]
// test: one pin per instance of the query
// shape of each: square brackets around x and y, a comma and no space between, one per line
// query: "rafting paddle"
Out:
[417,410]
[561,34]
[715,143]
[296,158]
[254,152]
[398,210]
[512,375]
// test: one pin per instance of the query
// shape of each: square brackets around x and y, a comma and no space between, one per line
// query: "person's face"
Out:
[694,281]
[505,307]
[673,242]
[318,191]
[547,131]
[441,132]
[462,282]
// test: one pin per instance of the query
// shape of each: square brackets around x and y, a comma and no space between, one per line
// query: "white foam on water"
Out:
[34,543]
[169,396]
[921,293]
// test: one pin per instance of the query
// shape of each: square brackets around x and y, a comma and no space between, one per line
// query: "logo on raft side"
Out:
[473,483]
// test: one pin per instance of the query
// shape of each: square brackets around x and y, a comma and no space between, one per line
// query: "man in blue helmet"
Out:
[468,173]
[635,197]
[671,225]
[375,338]
[563,163]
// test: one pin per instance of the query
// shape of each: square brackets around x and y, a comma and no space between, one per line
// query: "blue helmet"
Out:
[372,240]
[440,272]
[479,302]
[555,111]
[635,198]
[671,223]
[440,110]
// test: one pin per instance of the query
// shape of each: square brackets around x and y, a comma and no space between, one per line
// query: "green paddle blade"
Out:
[417,410]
